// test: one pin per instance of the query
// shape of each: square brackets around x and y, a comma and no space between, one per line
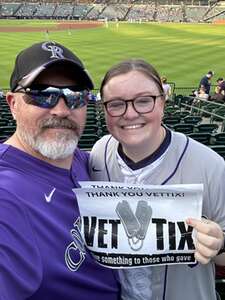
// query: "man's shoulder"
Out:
[204,79]
[81,155]
[3,149]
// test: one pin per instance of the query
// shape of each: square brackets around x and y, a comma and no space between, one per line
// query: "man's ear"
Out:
[11,100]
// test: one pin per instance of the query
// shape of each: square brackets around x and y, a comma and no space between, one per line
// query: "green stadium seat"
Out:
[169,110]
[220,149]
[207,127]
[218,138]
[103,130]
[220,112]
[192,119]
[220,288]
[171,120]
[181,114]
[201,137]
[4,122]
[184,128]
[7,130]
[6,115]
[87,141]
[178,99]
[209,107]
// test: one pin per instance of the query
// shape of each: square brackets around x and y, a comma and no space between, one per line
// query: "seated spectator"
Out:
[200,95]
[219,91]
[222,88]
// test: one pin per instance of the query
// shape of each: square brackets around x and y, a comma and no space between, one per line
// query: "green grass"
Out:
[182,52]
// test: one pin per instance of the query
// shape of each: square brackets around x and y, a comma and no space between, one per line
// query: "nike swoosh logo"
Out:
[95,170]
[48,198]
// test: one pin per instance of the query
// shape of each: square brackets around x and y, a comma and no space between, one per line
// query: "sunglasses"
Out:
[48,96]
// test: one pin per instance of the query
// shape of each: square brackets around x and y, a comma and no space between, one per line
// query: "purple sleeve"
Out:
[20,262]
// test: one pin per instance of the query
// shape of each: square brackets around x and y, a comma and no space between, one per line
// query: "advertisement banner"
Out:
[131,226]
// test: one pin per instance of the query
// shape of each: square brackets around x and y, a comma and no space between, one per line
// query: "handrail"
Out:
[199,109]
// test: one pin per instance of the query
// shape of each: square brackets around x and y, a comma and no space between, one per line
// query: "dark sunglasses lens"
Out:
[76,99]
[43,99]
[49,97]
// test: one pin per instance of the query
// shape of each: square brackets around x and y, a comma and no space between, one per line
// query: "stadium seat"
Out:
[171,120]
[103,130]
[6,115]
[178,99]
[87,141]
[218,138]
[206,128]
[186,101]
[201,137]
[208,109]
[91,129]
[220,112]
[220,149]
[181,114]
[7,131]
[169,110]
[184,128]
[4,122]
[220,288]
[192,119]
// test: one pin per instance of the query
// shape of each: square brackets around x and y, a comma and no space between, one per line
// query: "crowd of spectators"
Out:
[206,91]
[162,11]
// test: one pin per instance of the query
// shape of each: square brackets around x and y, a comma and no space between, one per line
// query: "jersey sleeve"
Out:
[96,161]
[217,193]
[20,260]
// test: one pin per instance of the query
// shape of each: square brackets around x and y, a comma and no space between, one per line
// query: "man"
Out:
[42,256]
[205,82]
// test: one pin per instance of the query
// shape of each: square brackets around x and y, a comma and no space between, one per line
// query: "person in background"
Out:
[2,96]
[42,253]
[222,87]
[219,91]
[141,150]
[205,82]
[166,88]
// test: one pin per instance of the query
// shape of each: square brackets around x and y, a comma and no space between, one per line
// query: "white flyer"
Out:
[126,225]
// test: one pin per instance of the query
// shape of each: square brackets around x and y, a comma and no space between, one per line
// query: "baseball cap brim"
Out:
[81,75]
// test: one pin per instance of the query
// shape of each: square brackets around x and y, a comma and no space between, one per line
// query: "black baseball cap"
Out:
[32,61]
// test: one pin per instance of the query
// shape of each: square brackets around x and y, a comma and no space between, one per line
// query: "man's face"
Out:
[135,131]
[52,132]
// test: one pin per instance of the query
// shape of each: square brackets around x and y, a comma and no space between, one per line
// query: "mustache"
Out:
[59,123]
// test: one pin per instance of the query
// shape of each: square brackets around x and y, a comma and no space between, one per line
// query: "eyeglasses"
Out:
[141,104]
[48,97]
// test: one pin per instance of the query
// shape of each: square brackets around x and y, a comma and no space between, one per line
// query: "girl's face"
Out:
[140,133]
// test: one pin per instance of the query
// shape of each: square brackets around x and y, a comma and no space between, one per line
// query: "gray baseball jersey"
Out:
[185,161]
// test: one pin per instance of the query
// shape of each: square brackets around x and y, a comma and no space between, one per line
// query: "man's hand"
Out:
[209,239]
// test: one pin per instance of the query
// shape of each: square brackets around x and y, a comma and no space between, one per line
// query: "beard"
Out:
[60,145]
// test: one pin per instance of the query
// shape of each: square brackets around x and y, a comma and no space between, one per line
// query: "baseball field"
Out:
[182,52]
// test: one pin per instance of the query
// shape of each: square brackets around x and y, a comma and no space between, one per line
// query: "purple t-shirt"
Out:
[42,256]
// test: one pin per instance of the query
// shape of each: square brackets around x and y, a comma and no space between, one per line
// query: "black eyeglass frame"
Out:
[105,104]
